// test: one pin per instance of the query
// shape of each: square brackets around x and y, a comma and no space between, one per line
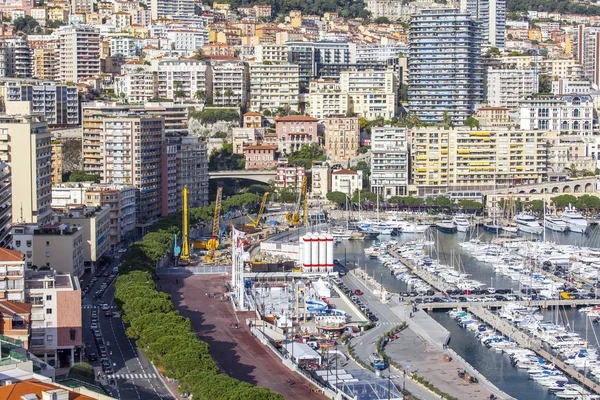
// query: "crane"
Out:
[213,243]
[256,222]
[294,218]
[185,243]
[224,225]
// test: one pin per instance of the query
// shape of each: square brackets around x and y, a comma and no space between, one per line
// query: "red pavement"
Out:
[235,352]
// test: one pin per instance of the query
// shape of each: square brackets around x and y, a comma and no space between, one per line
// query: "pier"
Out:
[498,304]
[434,281]
[528,342]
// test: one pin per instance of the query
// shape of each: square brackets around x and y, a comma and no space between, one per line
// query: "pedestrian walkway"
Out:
[132,376]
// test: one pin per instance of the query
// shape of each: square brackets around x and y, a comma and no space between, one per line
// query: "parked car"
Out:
[358,292]
[92,357]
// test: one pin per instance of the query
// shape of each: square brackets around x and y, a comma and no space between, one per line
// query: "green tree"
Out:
[82,369]
[446,119]
[469,205]
[81,176]
[545,84]
[588,203]
[572,171]
[366,172]
[537,206]
[229,94]
[564,200]
[26,24]
[199,54]
[307,154]
[382,20]
[338,198]
[200,95]
[471,122]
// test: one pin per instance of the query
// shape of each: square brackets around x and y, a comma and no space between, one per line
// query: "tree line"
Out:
[367,198]
[165,336]
[561,6]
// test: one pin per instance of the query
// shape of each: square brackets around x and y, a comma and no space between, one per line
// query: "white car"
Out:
[122,250]
[105,307]
[93,326]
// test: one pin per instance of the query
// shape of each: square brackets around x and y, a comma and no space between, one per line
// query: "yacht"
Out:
[555,223]
[527,223]
[462,223]
[413,228]
[491,226]
[341,234]
[510,228]
[446,226]
[574,220]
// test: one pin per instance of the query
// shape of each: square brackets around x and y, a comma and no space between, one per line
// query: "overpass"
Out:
[263,176]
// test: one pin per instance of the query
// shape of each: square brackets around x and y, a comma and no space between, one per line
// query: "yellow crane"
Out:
[294,218]
[185,243]
[213,243]
[256,222]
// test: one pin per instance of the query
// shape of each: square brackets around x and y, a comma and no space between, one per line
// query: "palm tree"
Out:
[572,171]
[229,94]
[217,95]
[200,95]
[446,119]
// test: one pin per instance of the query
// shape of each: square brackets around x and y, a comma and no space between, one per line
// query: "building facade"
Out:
[570,114]
[389,161]
[492,14]
[506,87]
[274,86]
[346,181]
[79,55]
[293,131]
[228,82]
[321,180]
[342,138]
[445,74]
[260,157]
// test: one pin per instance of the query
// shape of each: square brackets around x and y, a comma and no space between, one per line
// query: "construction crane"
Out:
[294,218]
[256,222]
[185,242]
[224,225]
[213,243]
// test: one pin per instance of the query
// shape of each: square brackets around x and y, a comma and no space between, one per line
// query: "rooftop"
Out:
[28,389]
[11,307]
[344,172]
[296,118]
[11,255]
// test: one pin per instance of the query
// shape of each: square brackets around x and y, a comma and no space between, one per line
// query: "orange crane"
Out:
[256,222]
[213,243]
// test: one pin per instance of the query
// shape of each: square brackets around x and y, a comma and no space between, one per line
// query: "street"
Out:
[133,376]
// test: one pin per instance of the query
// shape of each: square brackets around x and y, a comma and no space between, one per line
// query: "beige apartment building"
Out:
[55,246]
[95,222]
[342,138]
[273,86]
[321,179]
[25,145]
[462,159]
[57,161]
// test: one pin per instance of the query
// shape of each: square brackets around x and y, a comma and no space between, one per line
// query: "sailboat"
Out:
[492,226]
[340,234]
[510,212]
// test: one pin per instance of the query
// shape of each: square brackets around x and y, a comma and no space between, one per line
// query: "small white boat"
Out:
[555,223]
[528,224]
[510,228]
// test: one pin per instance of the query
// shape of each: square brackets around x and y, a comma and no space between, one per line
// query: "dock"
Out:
[433,280]
[497,304]
[528,342]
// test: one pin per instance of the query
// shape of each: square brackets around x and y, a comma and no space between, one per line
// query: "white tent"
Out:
[302,352]
[323,289]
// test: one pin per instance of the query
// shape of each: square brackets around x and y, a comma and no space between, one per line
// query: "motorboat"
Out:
[510,228]
[446,226]
[491,226]
[574,220]
[555,223]
[341,234]
[528,224]
[462,223]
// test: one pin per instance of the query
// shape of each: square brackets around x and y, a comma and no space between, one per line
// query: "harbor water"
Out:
[495,366]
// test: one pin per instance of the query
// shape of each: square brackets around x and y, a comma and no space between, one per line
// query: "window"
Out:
[48,311]
[49,338]
[49,297]
[47,243]
[18,243]
[47,254]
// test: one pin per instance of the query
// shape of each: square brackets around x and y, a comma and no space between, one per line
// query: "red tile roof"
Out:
[11,255]
[16,391]
[296,118]
[11,307]
[344,172]
[260,148]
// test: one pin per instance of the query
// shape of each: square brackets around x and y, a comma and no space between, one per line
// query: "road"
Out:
[134,376]
[364,345]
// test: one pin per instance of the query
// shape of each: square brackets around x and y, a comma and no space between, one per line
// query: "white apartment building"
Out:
[390,9]
[346,181]
[180,78]
[12,275]
[277,53]
[378,52]
[5,204]
[188,39]
[55,314]
[371,93]
[228,82]
[40,14]
[389,161]
[79,52]
[571,114]
[570,86]
[587,42]
[18,57]
[127,47]
[492,14]
[132,150]
[321,179]
[25,145]
[138,85]
[273,86]
[169,8]
[506,87]
[192,171]
[325,98]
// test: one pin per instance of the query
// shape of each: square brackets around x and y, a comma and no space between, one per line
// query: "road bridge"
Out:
[263,176]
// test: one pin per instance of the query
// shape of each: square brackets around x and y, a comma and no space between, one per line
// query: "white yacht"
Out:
[527,223]
[462,223]
[555,223]
[574,220]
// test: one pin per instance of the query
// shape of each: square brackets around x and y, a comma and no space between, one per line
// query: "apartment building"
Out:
[46,63]
[260,157]
[12,278]
[126,48]
[492,14]
[445,75]
[564,151]
[289,175]
[192,171]
[494,117]
[567,114]
[346,181]
[271,52]
[56,103]
[252,120]
[180,78]
[293,131]
[371,93]
[325,98]
[389,161]
[5,204]
[132,149]
[188,39]
[228,82]
[18,57]
[461,158]
[168,174]
[56,246]
[506,87]
[57,161]
[25,145]
[56,310]
[82,6]
[15,320]
[121,203]
[167,8]
[274,86]
[342,138]
[570,86]
[553,67]
[137,86]
[321,180]
[79,55]
[242,137]
[95,222]
[587,53]
[390,9]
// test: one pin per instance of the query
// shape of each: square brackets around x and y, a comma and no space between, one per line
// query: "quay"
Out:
[526,341]
[497,304]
